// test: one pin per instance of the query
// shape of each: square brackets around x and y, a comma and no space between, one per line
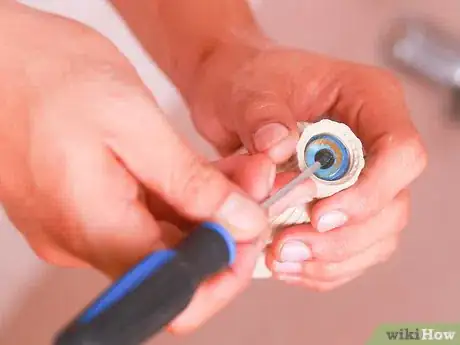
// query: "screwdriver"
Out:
[156,290]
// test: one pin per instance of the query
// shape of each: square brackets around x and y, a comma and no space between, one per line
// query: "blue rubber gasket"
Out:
[339,151]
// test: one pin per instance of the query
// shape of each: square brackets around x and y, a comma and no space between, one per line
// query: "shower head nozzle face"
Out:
[341,156]
[331,152]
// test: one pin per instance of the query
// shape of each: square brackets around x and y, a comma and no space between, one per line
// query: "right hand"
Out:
[84,149]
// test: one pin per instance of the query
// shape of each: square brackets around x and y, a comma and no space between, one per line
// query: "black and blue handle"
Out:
[153,293]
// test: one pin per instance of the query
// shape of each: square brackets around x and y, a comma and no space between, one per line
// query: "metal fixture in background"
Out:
[425,49]
[422,48]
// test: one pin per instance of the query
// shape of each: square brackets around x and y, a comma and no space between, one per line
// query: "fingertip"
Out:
[337,210]
[284,150]
[292,245]
[276,140]
[257,176]
[269,135]
[243,218]
[294,251]
[330,220]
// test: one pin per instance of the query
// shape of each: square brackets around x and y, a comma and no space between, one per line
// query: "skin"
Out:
[247,90]
[82,140]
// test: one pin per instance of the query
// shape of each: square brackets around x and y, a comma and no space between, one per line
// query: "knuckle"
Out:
[421,154]
[47,254]
[44,254]
[408,150]
[413,155]
[109,68]
[380,79]
[105,87]
[334,250]
[404,196]
[190,186]
[264,111]
[385,79]
[195,178]
[243,98]
[55,251]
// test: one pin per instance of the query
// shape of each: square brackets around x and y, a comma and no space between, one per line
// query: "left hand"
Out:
[255,97]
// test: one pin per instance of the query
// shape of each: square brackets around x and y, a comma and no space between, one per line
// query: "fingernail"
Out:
[331,220]
[294,251]
[269,135]
[283,150]
[287,267]
[246,219]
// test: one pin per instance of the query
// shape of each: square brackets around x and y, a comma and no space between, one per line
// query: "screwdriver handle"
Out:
[153,293]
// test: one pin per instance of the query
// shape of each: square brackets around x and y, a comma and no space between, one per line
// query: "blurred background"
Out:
[420,283]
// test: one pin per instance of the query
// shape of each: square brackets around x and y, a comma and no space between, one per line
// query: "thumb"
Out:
[162,162]
[266,124]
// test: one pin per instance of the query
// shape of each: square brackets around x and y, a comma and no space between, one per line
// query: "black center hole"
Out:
[325,158]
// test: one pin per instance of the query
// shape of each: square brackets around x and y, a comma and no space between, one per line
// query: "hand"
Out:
[255,96]
[88,162]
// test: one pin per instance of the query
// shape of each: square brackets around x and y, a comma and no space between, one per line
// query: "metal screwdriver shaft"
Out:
[304,175]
